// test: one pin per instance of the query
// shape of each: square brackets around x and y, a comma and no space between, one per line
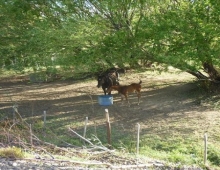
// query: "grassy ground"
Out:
[174,115]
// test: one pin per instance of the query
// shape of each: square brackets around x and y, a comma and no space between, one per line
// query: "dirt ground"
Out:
[171,103]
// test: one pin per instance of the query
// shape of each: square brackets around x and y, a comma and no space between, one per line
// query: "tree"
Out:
[113,31]
[187,37]
[93,34]
[21,22]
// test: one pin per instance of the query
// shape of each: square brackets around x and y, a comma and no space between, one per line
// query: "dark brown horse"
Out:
[107,79]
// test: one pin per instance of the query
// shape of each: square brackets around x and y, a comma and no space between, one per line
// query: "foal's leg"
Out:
[126,97]
[122,98]
[139,96]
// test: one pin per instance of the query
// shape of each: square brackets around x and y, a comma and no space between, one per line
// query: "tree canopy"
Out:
[92,34]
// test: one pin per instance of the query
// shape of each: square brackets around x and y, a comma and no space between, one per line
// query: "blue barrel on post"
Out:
[105,100]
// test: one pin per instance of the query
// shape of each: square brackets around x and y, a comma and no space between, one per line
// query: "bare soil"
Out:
[171,104]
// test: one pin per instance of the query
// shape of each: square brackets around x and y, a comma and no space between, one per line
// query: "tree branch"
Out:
[198,74]
[81,137]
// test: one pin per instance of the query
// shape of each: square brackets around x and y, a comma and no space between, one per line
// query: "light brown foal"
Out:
[124,90]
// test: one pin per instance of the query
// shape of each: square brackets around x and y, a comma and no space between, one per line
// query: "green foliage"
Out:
[184,37]
[98,34]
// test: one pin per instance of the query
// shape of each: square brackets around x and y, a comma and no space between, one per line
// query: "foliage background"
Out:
[92,35]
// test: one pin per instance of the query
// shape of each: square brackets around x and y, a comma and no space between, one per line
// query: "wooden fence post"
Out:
[31,139]
[44,128]
[13,114]
[32,109]
[84,133]
[205,148]
[15,109]
[138,137]
[45,118]
[108,127]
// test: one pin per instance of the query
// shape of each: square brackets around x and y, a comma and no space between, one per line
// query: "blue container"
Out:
[105,100]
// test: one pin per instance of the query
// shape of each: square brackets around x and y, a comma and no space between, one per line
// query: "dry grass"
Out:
[11,152]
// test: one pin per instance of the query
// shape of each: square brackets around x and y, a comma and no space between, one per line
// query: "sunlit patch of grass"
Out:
[154,154]
[176,150]
[6,73]
[11,152]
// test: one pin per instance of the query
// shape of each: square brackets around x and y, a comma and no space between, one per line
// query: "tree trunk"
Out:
[210,82]
[214,75]
[211,71]
[198,74]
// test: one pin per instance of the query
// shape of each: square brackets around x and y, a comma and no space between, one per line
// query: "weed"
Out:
[11,152]
[214,155]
